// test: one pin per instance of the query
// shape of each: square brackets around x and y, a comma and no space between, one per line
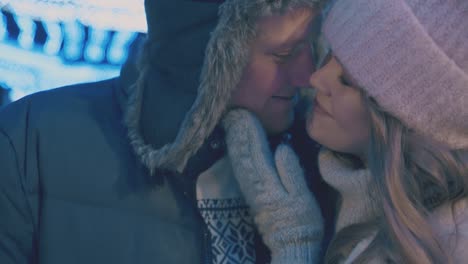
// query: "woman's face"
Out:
[338,118]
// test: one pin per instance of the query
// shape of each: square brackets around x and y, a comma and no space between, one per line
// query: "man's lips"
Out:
[284,97]
[287,97]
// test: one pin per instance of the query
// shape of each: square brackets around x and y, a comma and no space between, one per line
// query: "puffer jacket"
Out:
[73,191]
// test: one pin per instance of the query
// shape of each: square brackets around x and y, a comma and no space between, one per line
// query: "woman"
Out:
[391,111]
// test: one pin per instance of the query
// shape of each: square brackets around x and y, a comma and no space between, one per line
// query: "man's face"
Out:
[280,62]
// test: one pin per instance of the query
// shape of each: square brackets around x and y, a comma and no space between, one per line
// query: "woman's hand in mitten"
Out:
[285,211]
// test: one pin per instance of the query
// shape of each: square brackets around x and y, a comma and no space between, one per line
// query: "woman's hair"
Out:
[412,175]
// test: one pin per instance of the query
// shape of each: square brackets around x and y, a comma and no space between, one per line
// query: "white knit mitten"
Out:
[285,211]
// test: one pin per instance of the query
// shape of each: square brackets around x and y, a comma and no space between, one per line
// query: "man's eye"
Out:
[282,57]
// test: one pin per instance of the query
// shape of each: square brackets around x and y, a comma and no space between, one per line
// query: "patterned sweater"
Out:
[226,215]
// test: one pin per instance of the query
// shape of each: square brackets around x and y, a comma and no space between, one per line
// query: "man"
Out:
[4,95]
[75,189]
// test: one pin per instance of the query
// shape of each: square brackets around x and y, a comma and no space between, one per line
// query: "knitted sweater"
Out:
[226,214]
[356,207]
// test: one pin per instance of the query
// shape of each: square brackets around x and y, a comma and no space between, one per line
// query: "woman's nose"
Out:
[315,80]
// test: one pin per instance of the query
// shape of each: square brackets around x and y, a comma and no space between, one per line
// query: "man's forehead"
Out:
[288,29]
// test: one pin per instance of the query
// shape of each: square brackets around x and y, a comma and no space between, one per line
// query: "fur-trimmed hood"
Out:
[192,60]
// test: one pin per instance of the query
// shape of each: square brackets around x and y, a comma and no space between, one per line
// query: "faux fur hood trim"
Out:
[226,56]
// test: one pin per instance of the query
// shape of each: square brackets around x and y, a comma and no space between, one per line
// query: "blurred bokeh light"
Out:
[51,43]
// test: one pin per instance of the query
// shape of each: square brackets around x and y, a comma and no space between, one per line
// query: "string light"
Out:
[85,40]
[125,15]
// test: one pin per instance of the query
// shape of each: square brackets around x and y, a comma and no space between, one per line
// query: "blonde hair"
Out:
[412,175]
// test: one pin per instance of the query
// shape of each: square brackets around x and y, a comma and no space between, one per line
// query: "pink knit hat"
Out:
[411,56]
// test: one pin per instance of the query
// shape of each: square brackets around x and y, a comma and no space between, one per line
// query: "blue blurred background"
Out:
[51,43]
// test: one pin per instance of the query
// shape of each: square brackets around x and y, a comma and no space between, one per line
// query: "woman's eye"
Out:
[344,81]
[324,59]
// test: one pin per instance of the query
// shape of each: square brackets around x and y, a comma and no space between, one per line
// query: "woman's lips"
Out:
[319,109]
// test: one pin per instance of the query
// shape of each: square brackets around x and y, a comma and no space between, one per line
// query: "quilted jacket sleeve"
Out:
[16,224]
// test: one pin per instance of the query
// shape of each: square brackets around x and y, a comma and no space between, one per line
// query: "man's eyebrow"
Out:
[291,43]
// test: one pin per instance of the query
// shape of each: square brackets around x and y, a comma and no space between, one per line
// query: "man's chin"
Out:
[277,127]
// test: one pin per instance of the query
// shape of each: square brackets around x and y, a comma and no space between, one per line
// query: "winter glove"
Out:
[285,211]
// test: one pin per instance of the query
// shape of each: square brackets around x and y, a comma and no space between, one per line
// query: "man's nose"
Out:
[301,68]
